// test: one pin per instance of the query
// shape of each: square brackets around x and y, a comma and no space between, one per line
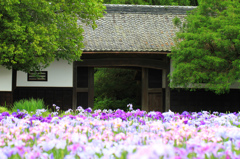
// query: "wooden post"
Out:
[74,100]
[14,85]
[14,79]
[167,90]
[91,87]
[145,89]
[163,78]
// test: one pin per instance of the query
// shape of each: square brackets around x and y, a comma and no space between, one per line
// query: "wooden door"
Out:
[155,101]
[83,91]
[152,94]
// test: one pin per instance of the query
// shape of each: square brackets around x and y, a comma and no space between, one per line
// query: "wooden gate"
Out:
[152,92]
[152,79]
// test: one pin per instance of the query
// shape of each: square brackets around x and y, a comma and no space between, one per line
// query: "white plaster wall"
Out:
[60,74]
[5,79]
[235,85]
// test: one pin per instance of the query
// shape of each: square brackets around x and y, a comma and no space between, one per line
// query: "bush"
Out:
[30,105]
[3,109]
[116,83]
[109,103]
[114,88]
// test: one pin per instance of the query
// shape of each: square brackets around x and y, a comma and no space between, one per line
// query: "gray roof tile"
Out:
[141,28]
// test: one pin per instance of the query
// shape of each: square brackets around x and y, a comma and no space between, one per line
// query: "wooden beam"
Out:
[167,90]
[154,90]
[145,89]
[128,52]
[82,90]
[136,62]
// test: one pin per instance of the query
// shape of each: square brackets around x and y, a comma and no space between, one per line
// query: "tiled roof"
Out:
[141,28]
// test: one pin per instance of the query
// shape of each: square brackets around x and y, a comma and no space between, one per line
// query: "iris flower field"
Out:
[116,134]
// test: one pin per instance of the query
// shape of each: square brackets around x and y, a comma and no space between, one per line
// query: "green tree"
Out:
[207,47]
[117,87]
[36,32]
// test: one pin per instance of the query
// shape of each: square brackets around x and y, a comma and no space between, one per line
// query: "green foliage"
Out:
[114,104]
[44,114]
[207,47]
[35,33]
[3,109]
[154,2]
[116,83]
[115,88]
[30,105]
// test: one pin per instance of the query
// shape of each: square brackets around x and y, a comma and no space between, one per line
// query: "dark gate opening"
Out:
[84,90]
[116,87]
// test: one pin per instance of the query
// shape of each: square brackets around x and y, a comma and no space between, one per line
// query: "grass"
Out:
[34,106]
[3,109]
[30,105]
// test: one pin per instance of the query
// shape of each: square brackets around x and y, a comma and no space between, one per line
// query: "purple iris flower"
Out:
[149,116]
[118,111]
[142,121]
[94,115]
[128,114]
[20,115]
[21,150]
[72,117]
[5,114]
[221,114]
[236,123]
[124,118]
[8,151]
[202,122]
[51,156]
[75,147]
[185,113]
[103,117]
[89,110]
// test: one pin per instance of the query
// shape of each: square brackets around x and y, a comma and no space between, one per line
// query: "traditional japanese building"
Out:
[128,36]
